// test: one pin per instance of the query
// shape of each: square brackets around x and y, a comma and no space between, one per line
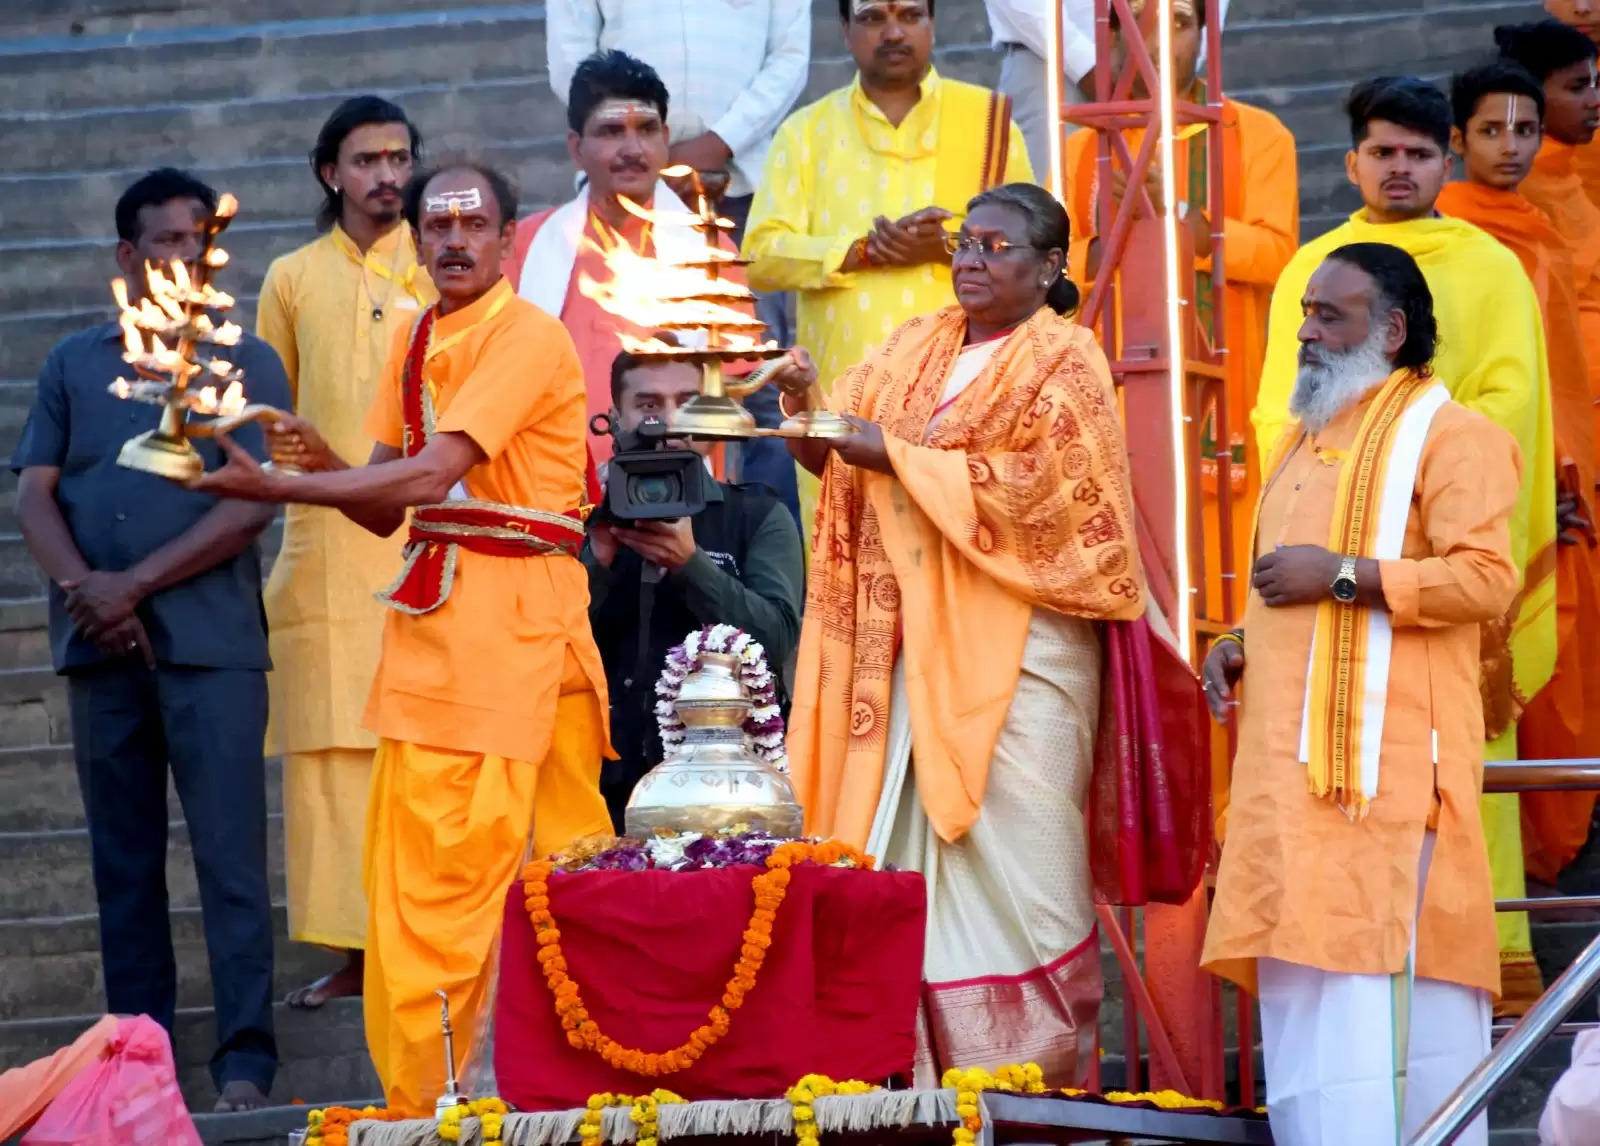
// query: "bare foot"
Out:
[344,983]
[240,1095]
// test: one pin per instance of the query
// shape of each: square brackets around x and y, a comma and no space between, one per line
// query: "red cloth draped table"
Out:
[651,952]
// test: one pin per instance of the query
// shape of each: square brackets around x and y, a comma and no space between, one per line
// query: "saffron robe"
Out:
[1019,500]
[1564,719]
[1299,881]
[491,708]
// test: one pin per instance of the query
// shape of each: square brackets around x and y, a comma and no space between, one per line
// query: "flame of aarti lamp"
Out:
[694,301]
[173,344]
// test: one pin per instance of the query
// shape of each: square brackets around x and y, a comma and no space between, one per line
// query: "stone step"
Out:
[1316,48]
[274,60]
[279,189]
[323,1053]
[78,21]
[270,127]
[20,576]
[48,873]
[51,967]
[39,787]
[33,708]
[306,57]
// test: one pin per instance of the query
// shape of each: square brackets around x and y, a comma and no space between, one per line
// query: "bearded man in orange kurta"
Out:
[490,698]
[1354,892]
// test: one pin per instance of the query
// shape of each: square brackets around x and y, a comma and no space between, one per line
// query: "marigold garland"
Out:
[592,1128]
[770,887]
[490,1113]
[330,1126]
[1025,1079]
[646,1114]
[804,1093]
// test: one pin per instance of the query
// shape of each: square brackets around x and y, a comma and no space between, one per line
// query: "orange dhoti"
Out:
[447,833]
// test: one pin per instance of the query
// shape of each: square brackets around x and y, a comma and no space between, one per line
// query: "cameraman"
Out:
[652,583]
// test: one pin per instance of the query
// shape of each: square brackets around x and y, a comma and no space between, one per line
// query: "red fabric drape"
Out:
[652,950]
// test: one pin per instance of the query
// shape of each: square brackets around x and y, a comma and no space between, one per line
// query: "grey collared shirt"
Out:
[119,516]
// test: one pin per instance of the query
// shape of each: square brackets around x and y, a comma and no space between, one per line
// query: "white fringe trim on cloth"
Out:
[878,1110]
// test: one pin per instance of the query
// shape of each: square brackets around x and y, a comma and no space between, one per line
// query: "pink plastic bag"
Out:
[129,1098]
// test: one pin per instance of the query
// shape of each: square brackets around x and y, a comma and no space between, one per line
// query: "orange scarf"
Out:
[1019,499]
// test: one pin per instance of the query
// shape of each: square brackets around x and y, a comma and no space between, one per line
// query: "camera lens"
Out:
[656,489]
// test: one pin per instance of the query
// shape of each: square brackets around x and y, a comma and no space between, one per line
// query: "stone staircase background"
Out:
[93,92]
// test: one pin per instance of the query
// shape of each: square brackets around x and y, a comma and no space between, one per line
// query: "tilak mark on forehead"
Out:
[455,202]
[621,109]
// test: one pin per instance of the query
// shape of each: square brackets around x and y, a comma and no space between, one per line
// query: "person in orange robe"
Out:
[1261,230]
[559,260]
[1563,721]
[490,698]
[969,533]
[1584,15]
[1354,895]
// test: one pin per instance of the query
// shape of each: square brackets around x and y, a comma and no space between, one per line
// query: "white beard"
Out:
[1334,380]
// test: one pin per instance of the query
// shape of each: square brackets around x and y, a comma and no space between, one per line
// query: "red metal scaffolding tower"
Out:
[1150,301]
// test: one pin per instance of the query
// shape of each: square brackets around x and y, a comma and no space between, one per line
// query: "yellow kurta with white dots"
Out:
[834,167]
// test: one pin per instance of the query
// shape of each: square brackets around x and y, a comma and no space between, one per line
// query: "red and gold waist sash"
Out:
[439,531]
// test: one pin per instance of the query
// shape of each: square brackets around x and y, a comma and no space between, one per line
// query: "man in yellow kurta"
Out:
[490,698]
[1353,895]
[1260,228]
[1492,356]
[332,310]
[861,186]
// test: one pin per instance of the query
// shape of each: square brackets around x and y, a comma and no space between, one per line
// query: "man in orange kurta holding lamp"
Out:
[1354,894]
[490,698]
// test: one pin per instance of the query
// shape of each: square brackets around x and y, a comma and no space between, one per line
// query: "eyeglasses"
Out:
[985,246]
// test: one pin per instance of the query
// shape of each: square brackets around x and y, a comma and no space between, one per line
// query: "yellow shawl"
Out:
[1019,499]
[1491,355]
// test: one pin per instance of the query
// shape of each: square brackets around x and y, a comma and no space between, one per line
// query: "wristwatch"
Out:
[1344,585]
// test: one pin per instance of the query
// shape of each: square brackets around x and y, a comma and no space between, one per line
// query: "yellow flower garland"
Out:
[805,1092]
[646,1114]
[968,1084]
[490,1113]
[592,1128]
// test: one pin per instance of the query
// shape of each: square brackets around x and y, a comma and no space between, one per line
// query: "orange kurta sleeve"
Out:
[1466,488]
[1261,241]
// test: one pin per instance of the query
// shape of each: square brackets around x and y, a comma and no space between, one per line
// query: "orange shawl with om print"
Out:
[1019,499]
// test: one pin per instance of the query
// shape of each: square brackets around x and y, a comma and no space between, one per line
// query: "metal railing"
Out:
[1545,1017]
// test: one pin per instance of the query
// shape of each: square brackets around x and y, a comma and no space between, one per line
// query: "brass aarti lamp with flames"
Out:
[171,341]
[694,300]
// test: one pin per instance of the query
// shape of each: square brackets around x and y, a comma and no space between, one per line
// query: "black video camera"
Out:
[647,481]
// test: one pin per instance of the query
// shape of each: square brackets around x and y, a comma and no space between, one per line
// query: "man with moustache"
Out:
[490,701]
[331,310]
[156,623]
[617,111]
[862,185]
[1353,896]
[1492,356]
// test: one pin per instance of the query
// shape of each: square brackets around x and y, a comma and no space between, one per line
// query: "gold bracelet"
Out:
[783,405]
[1234,635]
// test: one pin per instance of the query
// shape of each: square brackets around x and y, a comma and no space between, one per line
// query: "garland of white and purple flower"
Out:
[764,725]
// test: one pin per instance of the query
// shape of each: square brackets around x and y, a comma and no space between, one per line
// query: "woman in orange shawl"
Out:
[968,534]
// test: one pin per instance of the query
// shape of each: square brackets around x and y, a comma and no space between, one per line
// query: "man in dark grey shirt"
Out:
[738,562]
[156,621]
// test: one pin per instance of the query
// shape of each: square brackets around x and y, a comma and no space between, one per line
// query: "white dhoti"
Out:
[1012,964]
[1366,1059]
